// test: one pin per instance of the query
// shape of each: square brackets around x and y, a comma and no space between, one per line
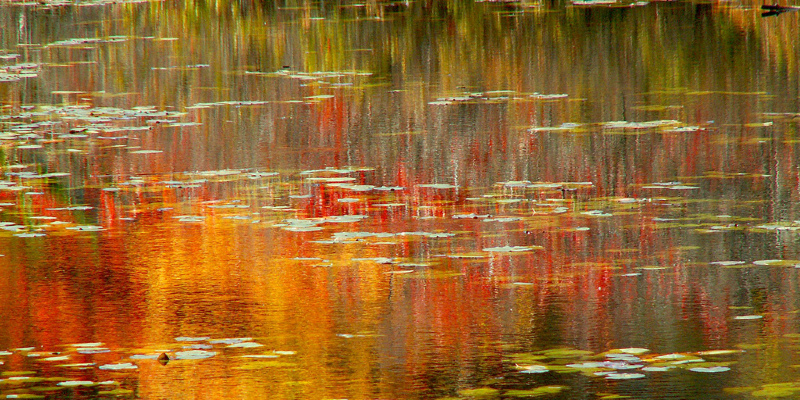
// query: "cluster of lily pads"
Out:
[613,365]
[620,127]
[621,364]
[18,71]
[75,363]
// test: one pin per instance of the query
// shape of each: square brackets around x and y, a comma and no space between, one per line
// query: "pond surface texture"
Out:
[399,200]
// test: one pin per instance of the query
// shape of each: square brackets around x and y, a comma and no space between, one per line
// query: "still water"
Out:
[399,200]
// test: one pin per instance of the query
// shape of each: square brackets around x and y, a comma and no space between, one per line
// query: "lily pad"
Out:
[777,263]
[118,367]
[144,357]
[479,392]
[75,383]
[624,376]
[191,339]
[194,354]
[56,358]
[748,317]
[77,365]
[709,369]
[511,249]
[566,353]
[539,391]
[532,369]
[245,345]
[115,392]
[727,263]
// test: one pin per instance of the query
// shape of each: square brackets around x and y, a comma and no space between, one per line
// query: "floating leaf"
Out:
[587,365]
[618,376]
[115,392]
[75,383]
[709,369]
[89,228]
[784,389]
[118,367]
[511,249]
[77,365]
[29,234]
[56,358]
[566,353]
[144,357]
[191,339]
[146,152]
[718,352]
[658,369]
[17,373]
[727,263]
[532,369]
[96,350]
[479,392]
[632,350]
[777,263]
[748,317]
[539,391]
[672,356]
[194,354]
[247,345]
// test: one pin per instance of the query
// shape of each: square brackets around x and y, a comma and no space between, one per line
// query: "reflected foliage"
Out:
[423,199]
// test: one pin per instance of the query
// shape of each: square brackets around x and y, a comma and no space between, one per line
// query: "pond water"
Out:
[417,200]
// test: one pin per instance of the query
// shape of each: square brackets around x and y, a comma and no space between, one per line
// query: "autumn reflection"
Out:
[398,200]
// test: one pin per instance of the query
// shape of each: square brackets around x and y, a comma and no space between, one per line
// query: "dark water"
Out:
[399,200]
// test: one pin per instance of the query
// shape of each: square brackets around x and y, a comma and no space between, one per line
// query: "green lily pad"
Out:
[17,373]
[76,383]
[479,392]
[566,353]
[47,388]
[115,392]
[539,391]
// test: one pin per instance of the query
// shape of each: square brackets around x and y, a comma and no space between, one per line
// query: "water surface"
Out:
[399,200]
